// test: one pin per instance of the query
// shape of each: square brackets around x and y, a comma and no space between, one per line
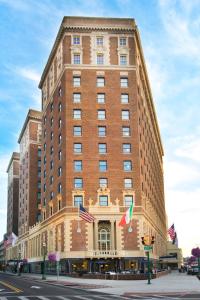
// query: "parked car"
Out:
[193,271]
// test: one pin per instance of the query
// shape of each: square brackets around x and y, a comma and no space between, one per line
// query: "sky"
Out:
[170,34]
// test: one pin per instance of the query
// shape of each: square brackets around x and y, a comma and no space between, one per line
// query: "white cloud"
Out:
[29,74]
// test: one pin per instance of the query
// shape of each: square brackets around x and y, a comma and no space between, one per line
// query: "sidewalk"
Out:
[174,282]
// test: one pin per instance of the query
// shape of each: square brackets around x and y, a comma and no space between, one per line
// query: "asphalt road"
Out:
[19,288]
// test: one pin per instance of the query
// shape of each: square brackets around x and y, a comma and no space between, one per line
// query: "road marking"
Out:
[10,287]
[23,298]
[83,298]
[35,287]
[115,296]
[3,298]
[42,298]
[62,298]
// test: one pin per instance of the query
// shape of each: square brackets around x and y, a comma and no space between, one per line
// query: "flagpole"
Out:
[79,228]
[130,227]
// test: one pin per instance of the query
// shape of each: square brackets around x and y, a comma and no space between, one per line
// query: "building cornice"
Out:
[32,115]
[15,157]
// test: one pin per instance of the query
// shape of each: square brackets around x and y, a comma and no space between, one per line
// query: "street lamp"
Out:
[19,264]
[44,248]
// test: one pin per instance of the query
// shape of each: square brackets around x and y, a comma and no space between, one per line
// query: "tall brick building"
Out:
[13,194]
[101,147]
[30,171]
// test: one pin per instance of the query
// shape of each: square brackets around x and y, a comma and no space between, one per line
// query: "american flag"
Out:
[171,232]
[85,215]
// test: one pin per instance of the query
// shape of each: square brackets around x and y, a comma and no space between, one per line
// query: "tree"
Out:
[196,252]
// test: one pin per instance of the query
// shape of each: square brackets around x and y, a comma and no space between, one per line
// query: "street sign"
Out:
[148,248]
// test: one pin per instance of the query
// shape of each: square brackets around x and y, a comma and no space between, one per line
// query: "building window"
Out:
[59,155]
[128,199]
[39,152]
[51,107]
[126,148]
[77,114]
[44,201]
[51,195]
[123,60]
[125,115]
[59,171]
[77,148]
[124,98]
[103,182]
[78,183]
[99,41]
[101,98]
[51,179]
[60,107]
[78,165]
[51,150]
[39,173]
[126,131]
[102,148]
[102,131]
[122,41]
[76,40]
[45,146]
[127,165]
[103,200]
[100,81]
[45,173]
[77,59]
[78,199]
[104,241]
[76,81]
[59,123]
[39,185]
[100,59]
[59,188]
[44,187]
[77,130]
[51,164]
[76,97]
[39,163]
[51,135]
[44,215]
[101,114]
[59,205]
[38,195]
[102,165]
[45,133]
[124,82]
[51,210]
[45,120]
[51,121]
[60,91]
[59,139]
[128,183]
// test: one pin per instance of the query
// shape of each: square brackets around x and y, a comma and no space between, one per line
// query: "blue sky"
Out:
[170,33]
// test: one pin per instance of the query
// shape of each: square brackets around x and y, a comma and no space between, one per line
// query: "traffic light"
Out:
[152,240]
[143,242]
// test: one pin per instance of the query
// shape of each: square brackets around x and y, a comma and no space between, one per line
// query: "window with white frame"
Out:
[100,59]
[102,148]
[76,97]
[100,81]
[78,183]
[59,188]
[77,148]
[76,81]
[126,131]
[128,199]
[124,82]
[101,131]
[122,41]
[101,114]
[103,200]
[128,183]
[99,41]
[123,60]
[127,164]
[102,165]
[124,98]
[77,130]
[125,115]
[103,182]
[77,114]
[77,165]
[59,171]
[78,199]
[126,148]
[104,239]
[77,59]
[101,98]
[76,40]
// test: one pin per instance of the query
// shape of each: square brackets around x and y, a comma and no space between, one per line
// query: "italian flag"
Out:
[126,218]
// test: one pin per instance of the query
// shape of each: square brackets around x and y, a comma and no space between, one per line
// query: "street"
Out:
[27,287]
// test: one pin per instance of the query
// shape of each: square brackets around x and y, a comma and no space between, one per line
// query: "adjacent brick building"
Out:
[30,171]
[101,147]
[13,194]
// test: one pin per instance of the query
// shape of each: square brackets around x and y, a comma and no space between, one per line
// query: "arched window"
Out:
[104,239]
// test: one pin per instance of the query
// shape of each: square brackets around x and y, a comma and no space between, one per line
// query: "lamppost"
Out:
[148,241]
[44,248]
[19,264]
